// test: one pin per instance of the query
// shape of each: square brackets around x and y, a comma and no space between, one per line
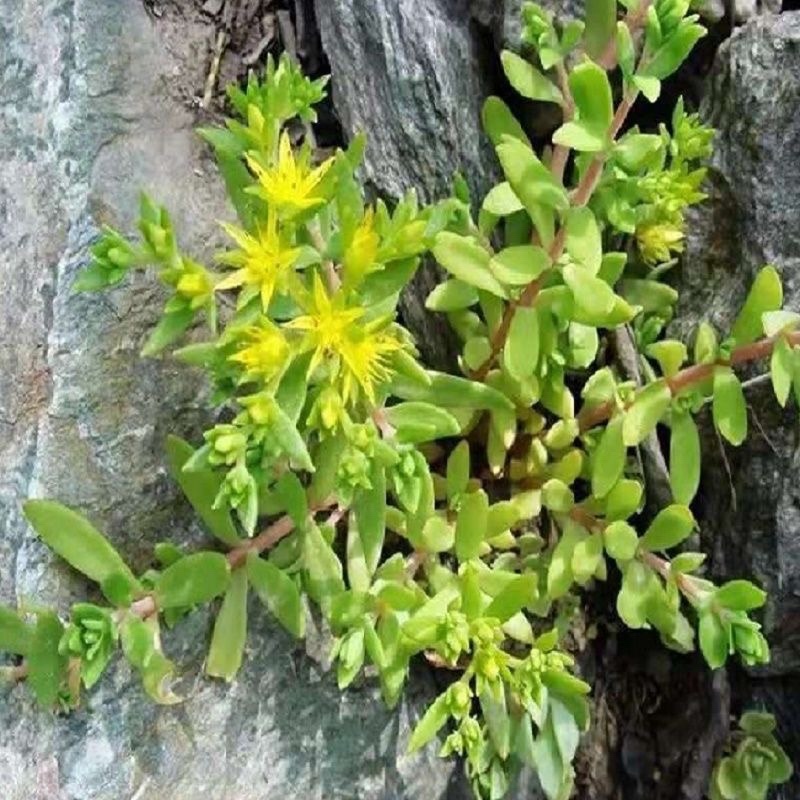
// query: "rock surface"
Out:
[751,519]
[96,105]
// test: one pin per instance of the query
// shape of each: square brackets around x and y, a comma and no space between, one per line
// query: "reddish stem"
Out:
[590,418]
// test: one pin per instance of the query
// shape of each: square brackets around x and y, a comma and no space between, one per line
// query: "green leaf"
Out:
[592,295]
[670,355]
[499,122]
[601,24]
[417,422]
[579,136]
[196,578]
[170,327]
[531,180]
[471,524]
[278,592]
[608,460]
[527,80]
[519,265]
[369,509]
[620,540]
[521,350]
[713,639]
[559,573]
[591,92]
[457,474]
[287,436]
[583,242]
[566,730]
[465,259]
[684,457]
[230,631]
[673,52]
[637,585]
[501,201]
[647,409]
[650,87]
[557,496]
[670,527]
[327,457]
[16,635]
[780,321]
[498,721]
[729,407]
[547,760]
[437,535]
[452,295]
[740,595]
[200,487]
[452,391]
[624,499]
[586,557]
[781,369]
[140,643]
[432,720]
[47,667]
[291,393]
[323,568]
[292,497]
[74,538]
[517,594]
[766,294]
[706,348]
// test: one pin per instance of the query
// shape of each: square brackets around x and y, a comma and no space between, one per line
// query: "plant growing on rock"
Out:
[454,517]
[755,764]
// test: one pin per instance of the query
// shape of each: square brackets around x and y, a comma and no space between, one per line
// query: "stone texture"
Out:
[95,103]
[751,521]
[413,75]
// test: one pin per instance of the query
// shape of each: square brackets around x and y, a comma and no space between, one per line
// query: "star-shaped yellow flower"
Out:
[264,351]
[265,264]
[358,352]
[291,185]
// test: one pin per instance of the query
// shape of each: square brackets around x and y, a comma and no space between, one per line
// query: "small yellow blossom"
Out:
[291,186]
[265,264]
[362,251]
[264,352]
[658,241]
[334,331]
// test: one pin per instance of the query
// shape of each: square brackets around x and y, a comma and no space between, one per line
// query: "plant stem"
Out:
[146,606]
[580,197]
[591,417]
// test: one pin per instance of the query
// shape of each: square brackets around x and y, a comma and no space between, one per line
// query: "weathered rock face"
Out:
[95,105]
[751,521]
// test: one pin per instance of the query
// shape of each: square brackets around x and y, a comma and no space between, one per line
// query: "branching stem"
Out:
[691,376]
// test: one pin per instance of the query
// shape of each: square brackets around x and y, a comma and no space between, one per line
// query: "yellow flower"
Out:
[362,251]
[264,351]
[291,185]
[657,241]
[265,264]
[334,332]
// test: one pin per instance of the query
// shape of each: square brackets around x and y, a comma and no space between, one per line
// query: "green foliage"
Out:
[755,761]
[454,517]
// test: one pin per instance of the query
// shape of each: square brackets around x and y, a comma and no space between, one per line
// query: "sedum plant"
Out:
[455,517]
[756,761]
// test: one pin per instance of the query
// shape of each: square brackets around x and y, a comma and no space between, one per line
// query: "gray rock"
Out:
[95,104]
[413,76]
[750,520]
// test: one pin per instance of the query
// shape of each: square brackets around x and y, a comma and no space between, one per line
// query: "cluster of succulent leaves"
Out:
[457,517]
[756,761]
